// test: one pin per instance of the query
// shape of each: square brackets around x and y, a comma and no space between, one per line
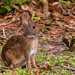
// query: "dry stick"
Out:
[16,7]
[62,7]
[2,27]
[69,27]
[70,14]
[57,67]
[73,10]
[73,69]
[6,24]
[65,9]
[34,2]
[4,33]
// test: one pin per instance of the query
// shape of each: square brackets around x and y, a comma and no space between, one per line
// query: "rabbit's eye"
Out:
[33,27]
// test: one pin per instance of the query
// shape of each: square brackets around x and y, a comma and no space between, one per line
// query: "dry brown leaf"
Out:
[8,17]
[55,3]
[53,51]
[24,7]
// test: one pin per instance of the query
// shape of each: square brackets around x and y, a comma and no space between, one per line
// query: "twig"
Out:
[34,2]
[62,7]
[4,33]
[7,24]
[73,69]
[65,9]
[70,14]
[57,67]
[70,27]
[16,7]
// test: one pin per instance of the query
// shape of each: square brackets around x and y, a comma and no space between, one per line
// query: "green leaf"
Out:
[73,63]
[18,1]
[73,59]
[65,41]
[8,4]
[2,10]
[5,2]
[35,18]
[72,42]
[72,48]
[9,8]
[66,2]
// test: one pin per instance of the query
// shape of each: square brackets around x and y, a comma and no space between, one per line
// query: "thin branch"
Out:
[62,6]
[69,68]
[4,33]
[7,24]
[16,7]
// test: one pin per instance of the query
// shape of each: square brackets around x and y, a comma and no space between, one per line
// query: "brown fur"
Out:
[19,49]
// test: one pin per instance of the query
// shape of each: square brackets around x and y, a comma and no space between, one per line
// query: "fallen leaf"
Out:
[55,3]
[53,51]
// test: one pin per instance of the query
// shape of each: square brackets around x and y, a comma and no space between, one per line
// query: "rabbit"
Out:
[20,50]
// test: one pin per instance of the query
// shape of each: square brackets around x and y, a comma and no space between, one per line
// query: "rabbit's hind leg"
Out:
[18,62]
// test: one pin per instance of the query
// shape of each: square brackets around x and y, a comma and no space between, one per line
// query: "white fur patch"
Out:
[34,47]
[33,52]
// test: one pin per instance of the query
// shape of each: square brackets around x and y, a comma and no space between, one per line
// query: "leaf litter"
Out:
[51,51]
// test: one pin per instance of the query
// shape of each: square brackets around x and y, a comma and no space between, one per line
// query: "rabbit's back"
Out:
[14,42]
[20,43]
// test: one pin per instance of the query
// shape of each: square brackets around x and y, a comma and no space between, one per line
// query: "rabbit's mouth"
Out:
[31,36]
[34,35]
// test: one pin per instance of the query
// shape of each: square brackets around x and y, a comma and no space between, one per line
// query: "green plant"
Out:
[17,71]
[73,61]
[2,10]
[53,61]
[60,71]
[66,2]
[10,4]
[57,60]
[70,45]
[0,49]
[40,57]
[45,40]
[42,49]
[35,18]
[22,71]
[61,59]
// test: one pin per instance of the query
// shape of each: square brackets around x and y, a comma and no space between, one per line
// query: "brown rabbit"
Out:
[20,50]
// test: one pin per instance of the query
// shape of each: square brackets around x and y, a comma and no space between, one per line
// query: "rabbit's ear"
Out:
[25,18]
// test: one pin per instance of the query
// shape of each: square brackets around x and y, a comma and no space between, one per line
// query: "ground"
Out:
[53,56]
